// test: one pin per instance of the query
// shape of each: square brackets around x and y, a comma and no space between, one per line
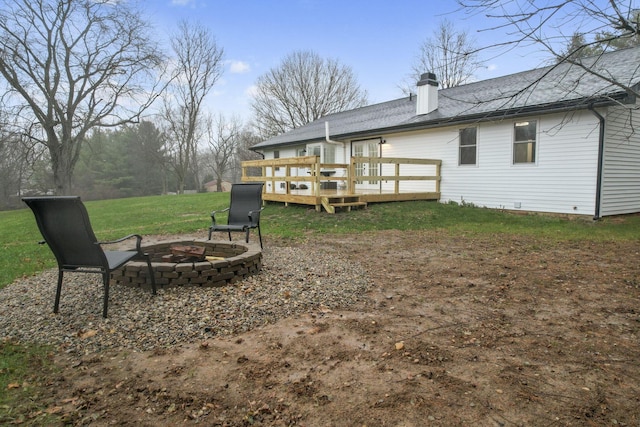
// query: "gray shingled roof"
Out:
[548,89]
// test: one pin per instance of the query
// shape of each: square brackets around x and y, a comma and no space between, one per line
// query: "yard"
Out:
[457,328]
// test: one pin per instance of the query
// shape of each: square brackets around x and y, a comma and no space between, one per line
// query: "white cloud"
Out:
[251,91]
[239,67]
[183,2]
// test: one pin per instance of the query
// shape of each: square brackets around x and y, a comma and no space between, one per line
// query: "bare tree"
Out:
[198,62]
[73,66]
[450,54]
[579,46]
[303,88]
[223,138]
[552,26]
[18,154]
[248,138]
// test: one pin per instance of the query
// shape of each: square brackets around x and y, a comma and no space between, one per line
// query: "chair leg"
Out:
[260,236]
[56,305]
[151,273]
[105,280]
[247,237]
[229,235]
[210,231]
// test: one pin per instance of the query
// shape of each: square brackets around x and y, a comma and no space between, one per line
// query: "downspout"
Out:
[257,152]
[330,141]
[596,215]
[342,144]
[326,136]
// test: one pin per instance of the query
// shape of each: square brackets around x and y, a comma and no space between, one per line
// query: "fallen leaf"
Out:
[12,386]
[400,345]
[88,334]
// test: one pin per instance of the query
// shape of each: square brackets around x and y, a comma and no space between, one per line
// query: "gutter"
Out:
[596,215]
[408,125]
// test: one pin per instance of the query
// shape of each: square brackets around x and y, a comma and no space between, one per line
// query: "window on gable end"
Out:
[468,151]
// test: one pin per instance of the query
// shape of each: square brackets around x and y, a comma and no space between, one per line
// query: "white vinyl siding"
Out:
[563,180]
[283,153]
[621,169]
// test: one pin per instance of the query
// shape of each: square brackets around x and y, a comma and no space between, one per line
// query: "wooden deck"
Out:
[306,181]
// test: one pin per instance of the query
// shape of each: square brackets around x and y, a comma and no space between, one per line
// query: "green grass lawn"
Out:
[22,365]
[21,255]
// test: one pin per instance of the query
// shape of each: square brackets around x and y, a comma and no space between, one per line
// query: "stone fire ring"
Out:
[239,262]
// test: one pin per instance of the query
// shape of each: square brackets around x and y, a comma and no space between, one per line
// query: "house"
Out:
[557,139]
[212,186]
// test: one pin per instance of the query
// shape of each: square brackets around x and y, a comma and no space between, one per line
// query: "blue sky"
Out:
[377,39]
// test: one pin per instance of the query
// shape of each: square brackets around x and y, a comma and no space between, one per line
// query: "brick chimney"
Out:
[427,94]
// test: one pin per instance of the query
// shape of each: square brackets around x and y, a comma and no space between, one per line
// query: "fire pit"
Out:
[192,263]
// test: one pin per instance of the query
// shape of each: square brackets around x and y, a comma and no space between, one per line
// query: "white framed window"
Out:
[468,149]
[276,155]
[327,152]
[524,142]
[366,170]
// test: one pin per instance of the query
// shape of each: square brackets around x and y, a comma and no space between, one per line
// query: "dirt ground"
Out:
[483,331]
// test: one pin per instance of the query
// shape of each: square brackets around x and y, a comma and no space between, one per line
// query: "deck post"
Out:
[287,183]
[264,173]
[316,167]
[351,174]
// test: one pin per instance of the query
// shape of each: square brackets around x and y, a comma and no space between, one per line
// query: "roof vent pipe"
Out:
[427,99]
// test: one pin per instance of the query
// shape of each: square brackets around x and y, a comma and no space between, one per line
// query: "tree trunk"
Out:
[219,183]
[62,164]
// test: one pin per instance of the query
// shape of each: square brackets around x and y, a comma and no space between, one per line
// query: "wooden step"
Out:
[344,204]
[331,203]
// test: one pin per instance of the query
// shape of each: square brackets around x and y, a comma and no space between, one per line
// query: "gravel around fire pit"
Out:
[292,281]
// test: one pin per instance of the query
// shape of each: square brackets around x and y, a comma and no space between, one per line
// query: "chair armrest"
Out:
[138,241]
[213,214]
[257,215]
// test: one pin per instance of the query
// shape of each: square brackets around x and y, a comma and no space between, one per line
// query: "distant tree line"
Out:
[91,104]
[132,160]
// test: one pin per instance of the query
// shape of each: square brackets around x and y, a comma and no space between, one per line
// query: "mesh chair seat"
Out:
[243,212]
[64,224]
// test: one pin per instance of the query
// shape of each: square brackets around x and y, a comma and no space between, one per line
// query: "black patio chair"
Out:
[64,224]
[244,210]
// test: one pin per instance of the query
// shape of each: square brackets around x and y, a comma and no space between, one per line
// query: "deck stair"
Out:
[330,203]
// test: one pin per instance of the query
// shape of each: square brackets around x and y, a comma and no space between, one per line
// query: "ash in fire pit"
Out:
[192,263]
[185,253]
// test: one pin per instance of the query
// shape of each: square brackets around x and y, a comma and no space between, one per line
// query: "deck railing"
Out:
[295,173]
